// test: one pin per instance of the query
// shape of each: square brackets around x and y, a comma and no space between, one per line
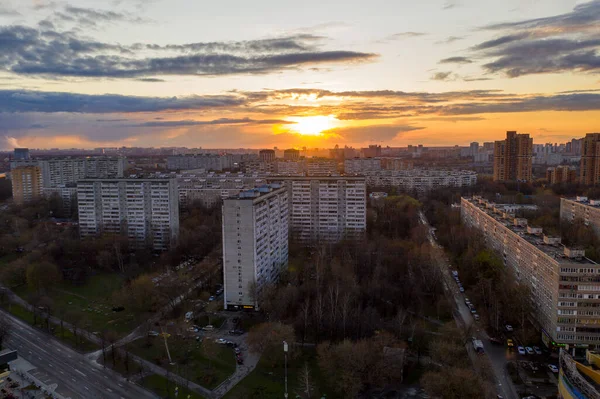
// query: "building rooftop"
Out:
[551,246]
[257,192]
[585,201]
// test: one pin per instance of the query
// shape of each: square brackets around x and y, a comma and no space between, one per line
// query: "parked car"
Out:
[553,368]
[467,302]
[473,310]
[153,333]
[236,332]
[454,273]
[537,350]
[219,291]
[237,351]
[461,289]
[220,341]
[509,328]
[529,350]
[521,350]
[212,298]
[476,317]
[510,343]
[209,327]
[495,341]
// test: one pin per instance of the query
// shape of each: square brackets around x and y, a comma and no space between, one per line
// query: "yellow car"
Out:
[510,343]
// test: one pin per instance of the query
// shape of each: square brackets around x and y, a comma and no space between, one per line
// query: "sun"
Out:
[312,125]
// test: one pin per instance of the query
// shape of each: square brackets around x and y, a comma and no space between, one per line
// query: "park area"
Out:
[89,305]
[206,363]
[166,388]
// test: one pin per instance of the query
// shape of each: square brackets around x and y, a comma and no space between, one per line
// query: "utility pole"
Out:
[285,351]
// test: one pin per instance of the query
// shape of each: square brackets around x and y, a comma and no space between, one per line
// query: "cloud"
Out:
[450,39]
[30,51]
[51,102]
[456,60]
[221,121]
[449,5]
[6,11]
[369,133]
[89,17]
[401,36]
[443,76]
[152,80]
[568,42]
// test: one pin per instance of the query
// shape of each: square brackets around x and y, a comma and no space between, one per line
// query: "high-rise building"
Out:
[26,184]
[562,282]
[372,151]
[291,154]
[473,148]
[21,154]
[144,210]
[326,208]
[561,174]
[255,243]
[513,158]
[590,160]
[266,155]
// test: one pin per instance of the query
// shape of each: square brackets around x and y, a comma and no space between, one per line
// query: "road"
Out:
[75,376]
[497,355]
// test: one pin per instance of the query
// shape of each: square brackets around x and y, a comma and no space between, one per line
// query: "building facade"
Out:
[266,155]
[291,154]
[590,160]
[211,189]
[144,210]
[360,166]
[561,174]
[255,244]
[564,285]
[321,167]
[580,208]
[513,158]
[326,208]
[26,184]
[577,380]
[21,154]
[421,180]
[202,161]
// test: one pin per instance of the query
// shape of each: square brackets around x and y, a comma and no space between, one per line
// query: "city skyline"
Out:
[130,73]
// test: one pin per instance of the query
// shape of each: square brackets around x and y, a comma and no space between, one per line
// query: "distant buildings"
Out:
[255,244]
[144,210]
[580,208]
[561,174]
[210,189]
[590,160]
[26,184]
[563,284]
[372,151]
[290,168]
[326,208]
[321,167]
[513,158]
[21,154]
[291,154]
[362,165]
[266,155]
[421,180]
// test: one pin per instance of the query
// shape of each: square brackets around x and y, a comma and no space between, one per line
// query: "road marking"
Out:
[39,358]
[121,385]
[81,373]
[73,379]
[50,364]
[60,371]
[86,388]
[109,390]
[106,377]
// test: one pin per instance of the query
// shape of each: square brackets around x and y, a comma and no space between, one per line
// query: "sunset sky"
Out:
[232,73]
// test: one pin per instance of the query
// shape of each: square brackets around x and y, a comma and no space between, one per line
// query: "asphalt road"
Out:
[497,355]
[75,376]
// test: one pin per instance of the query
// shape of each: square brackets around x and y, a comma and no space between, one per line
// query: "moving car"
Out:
[153,333]
[521,350]
[553,368]
[537,350]
[529,350]
[510,343]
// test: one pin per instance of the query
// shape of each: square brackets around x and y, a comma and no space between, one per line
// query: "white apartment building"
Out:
[210,189]
[326,208]
[145,210]
[361,166]
[564,284]
[421,180]
[201,161]
[580,208]
[255,243]
[321,167]
[290,167]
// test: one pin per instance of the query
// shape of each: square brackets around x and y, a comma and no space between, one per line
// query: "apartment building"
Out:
[421,180]
[266,155]
[561,174]
[581,208]
[201,161]
[21,154]
[291,154]
[26,184]
[513,157]
[326,208]
[321,167]
[590,160]
[360,166]
[144,210]
[255,243]
[290,167]
[564,284]
[211,189]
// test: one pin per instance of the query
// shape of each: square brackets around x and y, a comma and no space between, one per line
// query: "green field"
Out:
[266,382]
[89,304]
[78,342]
[166,389]
[191,362]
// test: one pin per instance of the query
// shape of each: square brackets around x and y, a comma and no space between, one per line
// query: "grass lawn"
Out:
[92,301]
[78,342]
[267,382]
[191,362]
[166,389]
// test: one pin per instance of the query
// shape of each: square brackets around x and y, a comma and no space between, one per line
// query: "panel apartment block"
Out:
[255,243]
[513,157]
[581,209]
[26,184]
[326,208]
[145,210]
[565,286]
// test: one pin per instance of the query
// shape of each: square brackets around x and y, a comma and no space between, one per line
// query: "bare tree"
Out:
[5,329]
[305,382]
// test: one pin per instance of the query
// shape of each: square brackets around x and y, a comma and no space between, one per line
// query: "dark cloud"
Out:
[499,41]
[221,121]
[152,80]
[89,17]
[30,51]
[372,133]
[36,101]
[456,60]
[443,76]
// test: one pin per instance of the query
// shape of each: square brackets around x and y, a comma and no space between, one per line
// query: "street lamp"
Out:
[285,351]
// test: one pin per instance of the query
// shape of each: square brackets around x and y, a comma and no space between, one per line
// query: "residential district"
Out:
[414,272]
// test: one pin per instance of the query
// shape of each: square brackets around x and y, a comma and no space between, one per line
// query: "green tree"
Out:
[42,276]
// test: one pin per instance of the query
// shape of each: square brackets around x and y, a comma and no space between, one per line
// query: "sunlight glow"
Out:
[312,125]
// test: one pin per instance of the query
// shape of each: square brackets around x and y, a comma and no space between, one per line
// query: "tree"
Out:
[267,338]
[305,382]
[42,276]
[453,383]
[5,329]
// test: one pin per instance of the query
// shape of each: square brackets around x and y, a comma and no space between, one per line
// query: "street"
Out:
[75,376]
[497,355]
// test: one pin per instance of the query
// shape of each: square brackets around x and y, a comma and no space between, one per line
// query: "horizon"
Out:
[86,74]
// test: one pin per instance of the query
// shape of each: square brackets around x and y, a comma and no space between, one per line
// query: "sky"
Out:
[239,74]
